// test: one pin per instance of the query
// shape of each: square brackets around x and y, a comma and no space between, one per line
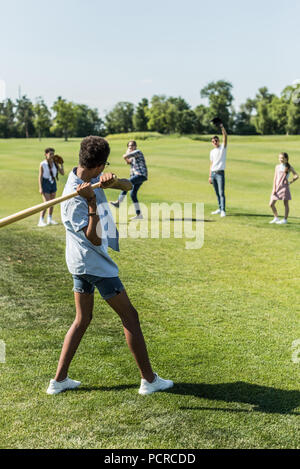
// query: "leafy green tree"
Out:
[42,118]
[157,114]
[278,114]
[171,117]
[25,116]
[179,103]
[119,119]
[293,119]
[262,120]
[88,121]
[7,119]
[186,122]
[243,125]
[175,119]
[140,119]
[291,94]
[220,100]
[243,119]
[202,119]
[164,113]
[65,118]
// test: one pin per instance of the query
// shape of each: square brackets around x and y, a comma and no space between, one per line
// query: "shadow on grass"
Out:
[120,387]
[256,215]
[188,219]
[205,220]
[264,399]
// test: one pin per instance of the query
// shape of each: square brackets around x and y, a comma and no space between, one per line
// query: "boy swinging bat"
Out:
[90,230]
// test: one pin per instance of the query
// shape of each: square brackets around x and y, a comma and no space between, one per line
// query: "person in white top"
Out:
[47,183]
[217,170]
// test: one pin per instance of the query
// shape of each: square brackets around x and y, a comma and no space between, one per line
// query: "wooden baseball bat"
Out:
[120,184]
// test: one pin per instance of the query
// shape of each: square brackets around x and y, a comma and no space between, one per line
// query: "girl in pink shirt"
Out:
[281,189]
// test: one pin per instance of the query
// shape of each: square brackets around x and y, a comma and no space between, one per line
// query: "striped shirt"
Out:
[138,164]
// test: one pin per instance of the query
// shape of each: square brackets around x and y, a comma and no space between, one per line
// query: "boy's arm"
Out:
[85,190]
[128,160]
[224,133]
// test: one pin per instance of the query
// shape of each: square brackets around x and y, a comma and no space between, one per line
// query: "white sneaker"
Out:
[282,222]
[116,204]
[158,384]
[42,222]
[216,212]
[51,222]
[275,220]
[223,214]
[137,217]
[55,387]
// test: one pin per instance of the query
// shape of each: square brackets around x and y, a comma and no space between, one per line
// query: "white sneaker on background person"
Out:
[50,221]
[216,212]
[159,384]
[116,204]
[223,214]
[282,222]
[55,387]
[137,217]
[275,220]
[41,222]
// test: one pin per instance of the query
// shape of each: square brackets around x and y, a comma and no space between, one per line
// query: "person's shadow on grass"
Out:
[256,215]
[262,398]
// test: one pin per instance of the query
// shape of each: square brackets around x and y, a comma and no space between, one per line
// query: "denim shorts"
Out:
[48,186]
[107,286]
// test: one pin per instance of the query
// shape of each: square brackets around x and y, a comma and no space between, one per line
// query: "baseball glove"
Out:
[58,159]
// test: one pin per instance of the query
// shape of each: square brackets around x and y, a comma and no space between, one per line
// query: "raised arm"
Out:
[224,133]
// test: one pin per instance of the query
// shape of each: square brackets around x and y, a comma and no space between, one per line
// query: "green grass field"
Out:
[220,321]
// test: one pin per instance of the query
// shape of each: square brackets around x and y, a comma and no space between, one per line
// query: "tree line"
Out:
[264,114]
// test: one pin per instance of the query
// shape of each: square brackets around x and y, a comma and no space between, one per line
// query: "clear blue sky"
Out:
[99,52]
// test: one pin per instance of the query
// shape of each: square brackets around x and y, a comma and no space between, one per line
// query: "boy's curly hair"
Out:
[94,151]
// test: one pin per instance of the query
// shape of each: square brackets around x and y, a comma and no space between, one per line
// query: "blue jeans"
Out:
[136,181]
[218,180]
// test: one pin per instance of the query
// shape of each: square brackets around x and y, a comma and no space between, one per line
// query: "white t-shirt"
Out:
[218,158]
[46,172]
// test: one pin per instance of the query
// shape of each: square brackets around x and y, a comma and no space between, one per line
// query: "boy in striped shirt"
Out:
[138,175]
